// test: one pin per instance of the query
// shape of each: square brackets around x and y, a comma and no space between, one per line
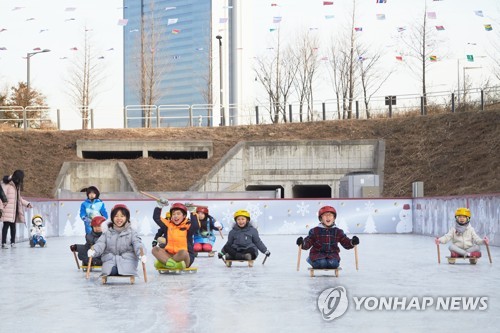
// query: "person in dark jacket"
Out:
[90,239]
[243,241]
[324,241]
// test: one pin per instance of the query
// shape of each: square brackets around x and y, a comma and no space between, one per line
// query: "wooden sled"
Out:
[229,263]
[104,278]
[335,270]
[209,254]
[177,271]
[452,260]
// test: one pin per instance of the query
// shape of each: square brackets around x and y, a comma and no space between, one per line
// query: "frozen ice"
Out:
[43,291]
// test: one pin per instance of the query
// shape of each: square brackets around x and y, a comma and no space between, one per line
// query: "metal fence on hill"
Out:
[206,115]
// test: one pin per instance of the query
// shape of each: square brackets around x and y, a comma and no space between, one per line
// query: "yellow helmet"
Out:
[462,212]
[242,212]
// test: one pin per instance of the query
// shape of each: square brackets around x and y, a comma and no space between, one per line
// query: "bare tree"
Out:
[276,74]
[307,61]
[371,76]
[420,43]
[85,78]
[343,66]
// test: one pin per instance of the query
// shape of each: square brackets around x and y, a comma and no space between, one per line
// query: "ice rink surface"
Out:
[43,291]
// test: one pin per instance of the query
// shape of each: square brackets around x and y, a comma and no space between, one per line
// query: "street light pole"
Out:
[222,115]
[28,57]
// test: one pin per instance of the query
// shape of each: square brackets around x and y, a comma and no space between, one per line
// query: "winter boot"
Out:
[32,243]
[4,246]
[172,264]
[12,244]
[159,265]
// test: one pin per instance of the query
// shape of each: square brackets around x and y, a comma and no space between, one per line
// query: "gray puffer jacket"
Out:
[120,249]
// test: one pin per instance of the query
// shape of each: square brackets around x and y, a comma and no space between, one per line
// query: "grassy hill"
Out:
[453,154]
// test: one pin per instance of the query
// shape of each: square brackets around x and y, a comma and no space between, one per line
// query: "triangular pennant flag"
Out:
[470,58]
[172,21]
[488,27]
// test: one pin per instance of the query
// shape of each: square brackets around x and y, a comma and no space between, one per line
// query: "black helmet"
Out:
[93,189]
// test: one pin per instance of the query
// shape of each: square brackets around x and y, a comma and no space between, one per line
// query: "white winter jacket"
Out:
[463,241]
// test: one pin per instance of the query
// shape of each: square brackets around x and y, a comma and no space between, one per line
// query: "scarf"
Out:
[460,228]
[120,229]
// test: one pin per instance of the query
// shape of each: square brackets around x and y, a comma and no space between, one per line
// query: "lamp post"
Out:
[28,57]
[223,118]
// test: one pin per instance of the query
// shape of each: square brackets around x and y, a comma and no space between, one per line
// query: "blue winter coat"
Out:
[91,208]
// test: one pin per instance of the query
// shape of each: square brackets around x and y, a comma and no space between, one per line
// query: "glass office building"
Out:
[167,52]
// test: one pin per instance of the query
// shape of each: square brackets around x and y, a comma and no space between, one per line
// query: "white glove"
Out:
[217,225]
[144,259]
[162,202]
[90,253]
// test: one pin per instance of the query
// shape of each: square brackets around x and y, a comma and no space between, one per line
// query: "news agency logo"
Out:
[333,303]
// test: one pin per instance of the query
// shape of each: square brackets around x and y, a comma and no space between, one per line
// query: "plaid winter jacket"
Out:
[324,242]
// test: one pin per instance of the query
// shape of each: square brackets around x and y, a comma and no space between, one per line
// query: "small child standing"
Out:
[243,241]
[324,241]
[90,240]
[91,207]
[204,239]
[464,240]
[37,232]
[119,246]
[178,252]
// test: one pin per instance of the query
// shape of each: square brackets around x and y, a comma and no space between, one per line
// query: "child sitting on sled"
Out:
[120,247]
[37,232]
[90,239]
[178,252]
[464,240]
[204,239]
[324,241]
[243,241]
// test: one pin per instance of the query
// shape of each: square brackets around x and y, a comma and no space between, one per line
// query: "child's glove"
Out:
[90,253]
[436,240]
[355,240]
[486,240]
[300,241]
[72,248]
[267,253]
[154,243]
[220,255]
[144,259]
[162,202]
[217,225]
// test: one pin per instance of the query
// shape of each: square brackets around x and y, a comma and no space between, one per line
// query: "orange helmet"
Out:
[97,221]
[326,209]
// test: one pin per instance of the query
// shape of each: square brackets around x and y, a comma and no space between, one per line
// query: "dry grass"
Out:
[453,154]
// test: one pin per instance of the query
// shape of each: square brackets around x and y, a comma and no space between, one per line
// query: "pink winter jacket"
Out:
[9,208]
